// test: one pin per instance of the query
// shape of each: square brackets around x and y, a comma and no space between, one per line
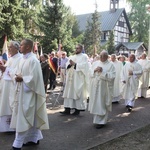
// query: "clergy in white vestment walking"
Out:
[144,79]
[102,75]
[29,115]
[130,81]
[76,88]
[8,85]
[117,82]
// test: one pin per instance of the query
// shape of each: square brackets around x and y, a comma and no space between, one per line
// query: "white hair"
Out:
[104,52]
[16,45]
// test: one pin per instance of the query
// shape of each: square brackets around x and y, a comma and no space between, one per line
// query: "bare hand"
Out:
[130,72]
[98,69]
[2,68]
[18,78]
[72,62]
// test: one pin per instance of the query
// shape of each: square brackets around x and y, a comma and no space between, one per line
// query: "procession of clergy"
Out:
[103,80]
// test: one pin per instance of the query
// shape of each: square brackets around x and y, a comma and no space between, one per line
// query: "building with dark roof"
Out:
[114,20]
[131,47]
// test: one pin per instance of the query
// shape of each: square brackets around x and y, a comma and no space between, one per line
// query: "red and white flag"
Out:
[35,50]
[5,49]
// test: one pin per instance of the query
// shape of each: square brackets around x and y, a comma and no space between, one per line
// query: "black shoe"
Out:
[66,111]
[116,102]
[54,86]
[99,126]
[10,132]
[15,148]
[129,109]
[31,143]
[128,106]
[76,113]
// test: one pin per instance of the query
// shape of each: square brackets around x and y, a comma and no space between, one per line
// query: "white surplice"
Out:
[76,88]
[144,79]
[129,89]
[101,91]
[117,82]
[7,92]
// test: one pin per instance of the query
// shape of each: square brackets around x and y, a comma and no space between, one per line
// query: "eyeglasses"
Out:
[77,48]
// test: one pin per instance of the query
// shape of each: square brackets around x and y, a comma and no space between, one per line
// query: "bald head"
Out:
[113,57]
[26,46]
[132,58]
[103,56]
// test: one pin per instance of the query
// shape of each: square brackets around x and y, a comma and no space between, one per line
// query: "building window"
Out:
[121,24]
[103,36]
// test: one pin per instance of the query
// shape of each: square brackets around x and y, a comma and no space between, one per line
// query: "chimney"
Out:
[114,5]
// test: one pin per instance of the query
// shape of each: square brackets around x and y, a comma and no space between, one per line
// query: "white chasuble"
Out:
[130,87]
[117,82]
[101,88]
[30,100]
[7,91]
[144,79]
[76,87]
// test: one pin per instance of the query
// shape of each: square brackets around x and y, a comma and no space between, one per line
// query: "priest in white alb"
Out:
[117,82]
[29,115]
[102,75]
[130,76]
[144,79]
[76,88]
[7,86]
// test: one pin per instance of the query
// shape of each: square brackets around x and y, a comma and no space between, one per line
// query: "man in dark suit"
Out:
[45,69]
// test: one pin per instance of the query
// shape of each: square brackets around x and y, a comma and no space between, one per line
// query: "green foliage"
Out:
[55,22]
[92,34]
[11,23]
[31,9]
[110,43]
[75,29]
[139,20]
[48,23]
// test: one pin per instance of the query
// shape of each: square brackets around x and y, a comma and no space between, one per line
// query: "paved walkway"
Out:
[78,133]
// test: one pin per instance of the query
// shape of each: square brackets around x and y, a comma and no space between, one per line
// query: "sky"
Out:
[88,6]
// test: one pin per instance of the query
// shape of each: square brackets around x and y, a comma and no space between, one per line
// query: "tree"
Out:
[11,23]
[92,34]
[139,20]
[110,43]
[75,29]
[31,8]
[55,23]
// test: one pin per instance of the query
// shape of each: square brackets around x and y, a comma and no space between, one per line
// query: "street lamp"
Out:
[148,8]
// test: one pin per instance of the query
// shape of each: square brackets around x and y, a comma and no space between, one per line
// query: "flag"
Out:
[59,53]
[35,50]
[5,49]
[41,53]
[52,65]
[83,50]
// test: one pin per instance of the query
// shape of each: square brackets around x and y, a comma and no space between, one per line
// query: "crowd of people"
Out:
[88,83]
